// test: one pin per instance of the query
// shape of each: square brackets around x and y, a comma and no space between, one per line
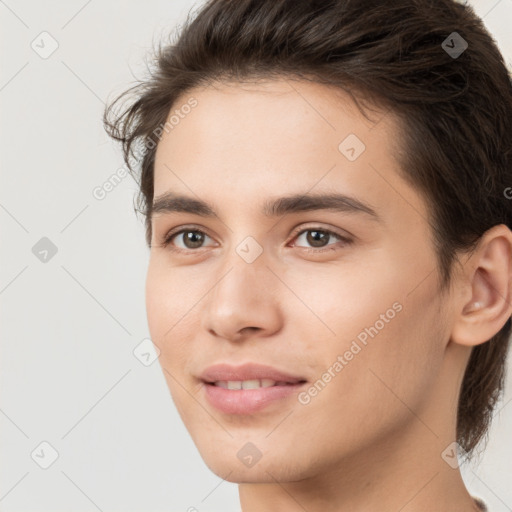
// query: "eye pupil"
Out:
[313,240]
[189,237]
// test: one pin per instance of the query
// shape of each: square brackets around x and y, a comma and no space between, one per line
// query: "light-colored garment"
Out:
[480,504]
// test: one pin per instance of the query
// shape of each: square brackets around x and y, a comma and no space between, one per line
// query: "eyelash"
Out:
[191,229]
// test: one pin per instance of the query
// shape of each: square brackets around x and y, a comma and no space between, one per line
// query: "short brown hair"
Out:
[455,112]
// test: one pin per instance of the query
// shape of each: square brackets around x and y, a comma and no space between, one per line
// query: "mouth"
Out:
[253,396]
[251,384]
[247,376]
[248,388]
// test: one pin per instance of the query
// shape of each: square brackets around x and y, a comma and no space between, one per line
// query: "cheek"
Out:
[167,295]
[156,302]
[376,390]
[173,298]
[391,342]
[408,354]
[164,308]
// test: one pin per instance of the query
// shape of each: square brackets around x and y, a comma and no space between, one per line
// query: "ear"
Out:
[486,301]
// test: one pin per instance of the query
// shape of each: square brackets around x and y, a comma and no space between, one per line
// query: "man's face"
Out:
[357,317]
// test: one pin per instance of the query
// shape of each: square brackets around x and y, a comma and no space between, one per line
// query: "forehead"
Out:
[244,141]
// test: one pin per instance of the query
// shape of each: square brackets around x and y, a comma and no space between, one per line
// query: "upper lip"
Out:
[247,371]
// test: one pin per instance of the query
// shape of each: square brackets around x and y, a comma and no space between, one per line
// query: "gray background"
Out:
[70,324]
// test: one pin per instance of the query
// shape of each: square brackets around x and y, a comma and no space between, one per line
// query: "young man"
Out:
[325,191]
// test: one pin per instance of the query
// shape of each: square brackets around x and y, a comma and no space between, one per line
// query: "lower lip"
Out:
[247,401]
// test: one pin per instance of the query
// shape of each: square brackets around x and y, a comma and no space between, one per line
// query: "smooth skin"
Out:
[373,437]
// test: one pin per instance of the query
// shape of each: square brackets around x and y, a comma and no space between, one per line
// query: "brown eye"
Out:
[190,239]
[319,238]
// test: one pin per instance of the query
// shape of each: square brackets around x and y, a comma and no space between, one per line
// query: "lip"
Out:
[247,371]
[247,401]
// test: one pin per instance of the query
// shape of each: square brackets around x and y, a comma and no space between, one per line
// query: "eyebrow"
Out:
[170,202]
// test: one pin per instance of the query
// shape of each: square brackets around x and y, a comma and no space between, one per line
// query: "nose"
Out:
[244,302]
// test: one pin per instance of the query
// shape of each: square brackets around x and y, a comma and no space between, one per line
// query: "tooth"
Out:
[250,384]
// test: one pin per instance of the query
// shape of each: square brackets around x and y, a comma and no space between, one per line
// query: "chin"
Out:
[273,465]
[234,473]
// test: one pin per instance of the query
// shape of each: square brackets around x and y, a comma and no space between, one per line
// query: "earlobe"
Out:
[488,277]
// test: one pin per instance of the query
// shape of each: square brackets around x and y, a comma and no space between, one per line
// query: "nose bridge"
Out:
[245,294]
[245,274]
